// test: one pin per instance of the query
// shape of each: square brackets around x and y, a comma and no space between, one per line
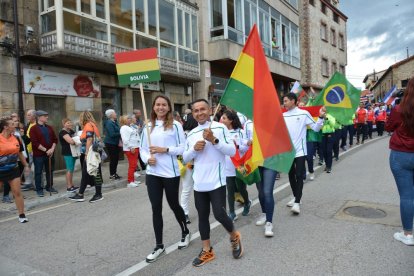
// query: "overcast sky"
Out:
[379,32]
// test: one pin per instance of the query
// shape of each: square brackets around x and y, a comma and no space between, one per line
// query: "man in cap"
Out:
[44,142]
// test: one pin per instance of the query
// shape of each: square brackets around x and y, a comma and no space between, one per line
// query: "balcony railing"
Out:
[98,49]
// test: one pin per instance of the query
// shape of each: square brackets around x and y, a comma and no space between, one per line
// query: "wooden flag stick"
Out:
[214,115]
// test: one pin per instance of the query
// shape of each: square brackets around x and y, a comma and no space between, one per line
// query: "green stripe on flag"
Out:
[139,77]
[250,178]
[238,96]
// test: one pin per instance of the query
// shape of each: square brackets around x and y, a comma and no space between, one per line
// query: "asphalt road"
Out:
[114,235]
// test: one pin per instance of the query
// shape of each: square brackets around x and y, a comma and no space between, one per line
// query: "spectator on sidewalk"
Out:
[65,139]
[31,121]
[11,151]
[130,144]
[401,123]
[370,121]
[112,142]
[178,118]
[44,142]
[208,144]
[90,132]
[160,151]
[348,131]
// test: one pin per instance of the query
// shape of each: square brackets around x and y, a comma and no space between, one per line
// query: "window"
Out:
[341,41]
[325,68]
[333,37]
[334,67]
[152,18]
[187,30]
[323,7]
[166,21]
[100,8]
[140,15]
[324,32]
[167,50]
[180,27]
[86,6]
[144,42]
[70,4]
[312,2]
[217,13]
[84,26]
[194,33]
[121,14]
[335,17]
[342,69]
[247,24]
[48,22]
[121,37]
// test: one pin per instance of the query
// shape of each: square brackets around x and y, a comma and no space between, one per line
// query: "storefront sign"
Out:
[153,86]
[138,66]
[52,83]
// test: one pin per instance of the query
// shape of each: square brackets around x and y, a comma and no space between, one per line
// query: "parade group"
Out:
[193,151]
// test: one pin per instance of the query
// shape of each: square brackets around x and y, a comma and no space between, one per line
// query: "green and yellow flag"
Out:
[340,98]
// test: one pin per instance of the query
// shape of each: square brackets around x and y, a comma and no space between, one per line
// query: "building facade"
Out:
[397,74]
[323,42]
[372,78]
[224,27]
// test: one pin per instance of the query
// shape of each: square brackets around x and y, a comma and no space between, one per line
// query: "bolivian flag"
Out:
[137,66]
[251,91]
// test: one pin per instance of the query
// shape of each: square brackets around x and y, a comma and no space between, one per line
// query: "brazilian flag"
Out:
[340,98]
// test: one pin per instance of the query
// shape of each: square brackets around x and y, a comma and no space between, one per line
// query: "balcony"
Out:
[101,54]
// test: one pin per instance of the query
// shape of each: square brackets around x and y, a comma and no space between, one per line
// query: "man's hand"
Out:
[249,143]
[152,161]
[199,146]
[49,152]
[209,135]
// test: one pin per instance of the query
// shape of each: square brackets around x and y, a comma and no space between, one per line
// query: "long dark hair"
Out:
[232,116]
[407,106]
[169,117]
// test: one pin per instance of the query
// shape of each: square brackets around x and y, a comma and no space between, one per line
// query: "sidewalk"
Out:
[31,200]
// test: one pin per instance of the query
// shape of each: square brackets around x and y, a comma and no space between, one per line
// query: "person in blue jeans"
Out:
[401,123]
[267,202]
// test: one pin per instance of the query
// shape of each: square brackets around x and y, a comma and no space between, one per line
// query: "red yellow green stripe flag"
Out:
[137,66]
[251,91]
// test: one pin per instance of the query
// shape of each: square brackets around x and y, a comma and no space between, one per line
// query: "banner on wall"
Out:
[52,83]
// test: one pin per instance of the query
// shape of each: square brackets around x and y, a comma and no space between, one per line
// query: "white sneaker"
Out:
[158,252]
[137,174]
[132,185]
[405,239]
[262,220]
[137,182]
[311,176]
[295,208]
[185,241]
[290,203]
[268,229]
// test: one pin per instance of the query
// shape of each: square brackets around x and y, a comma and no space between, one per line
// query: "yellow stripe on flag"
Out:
[244,70]
[257,155]
[137,66]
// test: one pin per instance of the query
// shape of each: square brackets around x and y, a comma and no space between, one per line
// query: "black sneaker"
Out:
[72,189]
[117,176]
[77,197]
[51,190]
[187,219]
[237,246]
[96,198]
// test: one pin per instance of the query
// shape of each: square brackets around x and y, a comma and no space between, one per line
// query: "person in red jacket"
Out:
[44,142]
[401,123]
[361,117]
[370,120]
[381,118]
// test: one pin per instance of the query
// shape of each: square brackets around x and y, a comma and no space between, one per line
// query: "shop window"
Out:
[121,37]
[166,21]
[121,14]
[110,99]
[140,15]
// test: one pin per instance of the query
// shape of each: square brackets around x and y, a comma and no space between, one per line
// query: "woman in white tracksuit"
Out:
[232,122]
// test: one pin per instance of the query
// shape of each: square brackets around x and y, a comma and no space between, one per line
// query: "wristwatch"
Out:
[168,150]
[216,141]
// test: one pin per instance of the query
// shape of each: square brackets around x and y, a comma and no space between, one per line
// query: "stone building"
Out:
[323,42]
[397,74]
[372,78]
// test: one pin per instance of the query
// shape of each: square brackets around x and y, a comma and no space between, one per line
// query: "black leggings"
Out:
[217,198]
[296,177]
[113,152]
[233,185]
[155,187]
[90,180]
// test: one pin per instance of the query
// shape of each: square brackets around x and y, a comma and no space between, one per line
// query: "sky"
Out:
[379,32]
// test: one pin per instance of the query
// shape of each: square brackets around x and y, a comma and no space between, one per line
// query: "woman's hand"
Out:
[152,161]
[154,149]
[133,150]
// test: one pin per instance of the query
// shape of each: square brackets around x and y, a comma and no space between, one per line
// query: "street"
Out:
[116,234]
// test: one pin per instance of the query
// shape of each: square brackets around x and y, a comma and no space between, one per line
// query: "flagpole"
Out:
[214,115]
[141,88]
